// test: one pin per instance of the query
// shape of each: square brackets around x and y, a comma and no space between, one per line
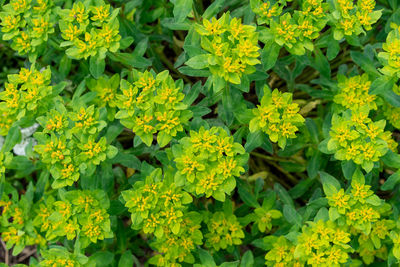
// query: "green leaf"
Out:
[193,72]
[17,249]
[64,66]
[163,139]
[219,195]
[313,130]
[213,9]
[254,140]
[247,259]
[245,195]
[107,177]
[131,60]
[126,259]
[301,188]
[364,62]
[228,107]
[182,8]
[97,66]
[392,98]
[393,4]
[101,258]
[314,164]
[126,42]
[283,195]
[329,183]
[348,168]
[193,93]
[321,64]
[270,54]
[333,48]
[374,200]
[292,216]
[127,160]
[198,62]
[113,131]
[79,90]
[391,159]
[112,151]
[381,85]
[141,47]
[391,182]
[322,214]
[13,137]
[205,258]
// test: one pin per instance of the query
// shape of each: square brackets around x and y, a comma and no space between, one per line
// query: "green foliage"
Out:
[199,133]
[153,105]
[224,230]
[232,50]
[277,116]
[208,162]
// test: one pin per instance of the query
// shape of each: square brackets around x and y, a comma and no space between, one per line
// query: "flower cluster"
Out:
[391,53]
[263,216]
[152,104]
[296,30]
[178,247]
[353,19]
[354,136]
[323,243]
[89,28]
[353,92]
[16,223]
[208,162]
[26,95]
[277,116]
[60,257]
[224,231]
[106,93]
[267,11]
[81,213]
[392,115]
[28,24]
[359,208]
[232,49]
[68,144]
[357,221]
[156,205]
[364,215]
[282,252]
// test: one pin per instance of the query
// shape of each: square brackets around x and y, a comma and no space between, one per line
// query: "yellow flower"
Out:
[40,25]
[236,28]
[18,216]
[360,191]
[19,6]
[287,30]
[101,13]
[340,200]
[213,27]
[67,171]
[71,33]
[78,12]
[10,23]
[23,42]
[92,231]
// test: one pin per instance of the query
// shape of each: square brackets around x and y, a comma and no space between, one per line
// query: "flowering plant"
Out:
[199,133]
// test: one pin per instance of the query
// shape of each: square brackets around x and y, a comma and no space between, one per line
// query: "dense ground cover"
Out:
[199,133]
